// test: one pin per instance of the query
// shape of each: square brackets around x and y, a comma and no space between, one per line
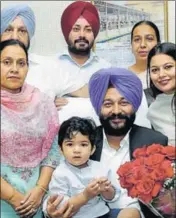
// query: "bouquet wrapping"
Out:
[151,178]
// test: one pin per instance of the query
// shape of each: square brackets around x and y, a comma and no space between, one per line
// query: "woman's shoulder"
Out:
[40,94]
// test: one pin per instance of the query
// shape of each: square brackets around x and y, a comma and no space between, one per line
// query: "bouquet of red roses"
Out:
[150,177]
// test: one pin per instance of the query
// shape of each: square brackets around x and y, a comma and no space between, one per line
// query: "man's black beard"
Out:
[81,51]
[121,131]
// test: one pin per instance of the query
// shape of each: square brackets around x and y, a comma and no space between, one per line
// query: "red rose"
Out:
[166,165]
[145,188]
[138,161]
[124,169]
[170,152]
[133,192]
[154,149]
[154,160]
[158,174]
[124,183]
[140,152]
[156,189]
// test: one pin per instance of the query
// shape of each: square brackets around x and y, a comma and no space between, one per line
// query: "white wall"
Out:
[171,21]
[48,37]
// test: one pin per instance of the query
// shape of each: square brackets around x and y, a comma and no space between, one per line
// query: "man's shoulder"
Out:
[103,61]
[146,132]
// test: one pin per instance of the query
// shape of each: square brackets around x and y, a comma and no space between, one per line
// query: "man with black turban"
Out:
[116,95]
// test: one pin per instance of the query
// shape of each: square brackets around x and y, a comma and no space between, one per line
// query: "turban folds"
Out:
[74,11]
[126,82]
[23,11]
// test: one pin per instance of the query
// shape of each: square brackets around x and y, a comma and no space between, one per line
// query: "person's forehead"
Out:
[81,21]
[112,93]
[17,22]
[13,51]
[144,29]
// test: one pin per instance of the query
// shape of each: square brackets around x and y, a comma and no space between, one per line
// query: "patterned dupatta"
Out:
[29,124]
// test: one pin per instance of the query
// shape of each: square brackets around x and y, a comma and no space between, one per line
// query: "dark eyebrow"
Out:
[146,35]
[77,25]
[9,26]
[88,26]
[67,140]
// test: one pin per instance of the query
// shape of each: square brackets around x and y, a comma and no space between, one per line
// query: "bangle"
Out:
[41,187]
[12,195]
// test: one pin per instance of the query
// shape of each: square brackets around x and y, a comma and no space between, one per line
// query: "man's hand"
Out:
[92,190]
[60,103]
[66,211]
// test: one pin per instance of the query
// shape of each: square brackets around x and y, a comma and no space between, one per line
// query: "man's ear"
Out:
[93,149]
[60,150]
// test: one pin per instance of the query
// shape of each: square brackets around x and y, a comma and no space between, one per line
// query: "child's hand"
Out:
[92,190]
[105,184]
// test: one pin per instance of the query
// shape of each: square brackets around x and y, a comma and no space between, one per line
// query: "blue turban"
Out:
[23,11]
[126,82]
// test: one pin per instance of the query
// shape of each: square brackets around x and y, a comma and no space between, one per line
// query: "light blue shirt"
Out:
[85,71]
[46,73]
[68,180]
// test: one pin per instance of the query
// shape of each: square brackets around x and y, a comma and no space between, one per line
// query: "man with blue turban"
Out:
[116,95]
[18,22]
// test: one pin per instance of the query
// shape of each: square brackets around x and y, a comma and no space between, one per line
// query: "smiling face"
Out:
[14,68]
[16,30]
[117,114]
[162,73]
[77,149]
[81,37]
[144,39]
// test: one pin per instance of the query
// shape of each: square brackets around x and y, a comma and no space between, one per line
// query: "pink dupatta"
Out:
[29,124]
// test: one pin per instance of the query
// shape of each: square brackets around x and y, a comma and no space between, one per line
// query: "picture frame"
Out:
[116,21]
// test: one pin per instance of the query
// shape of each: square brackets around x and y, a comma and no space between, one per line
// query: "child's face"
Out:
[77,150]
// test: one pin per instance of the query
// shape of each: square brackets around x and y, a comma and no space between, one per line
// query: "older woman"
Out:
[161,70]
[29,124]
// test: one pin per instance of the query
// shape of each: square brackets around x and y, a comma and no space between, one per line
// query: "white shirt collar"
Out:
[67,54]
[76,168]
[124,141]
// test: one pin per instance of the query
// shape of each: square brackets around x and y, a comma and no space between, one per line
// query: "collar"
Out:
[89,162]
[66,55]
[124,141]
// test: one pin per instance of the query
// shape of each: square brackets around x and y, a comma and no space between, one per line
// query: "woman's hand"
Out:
[30,203]
[65,211]
[15,201]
